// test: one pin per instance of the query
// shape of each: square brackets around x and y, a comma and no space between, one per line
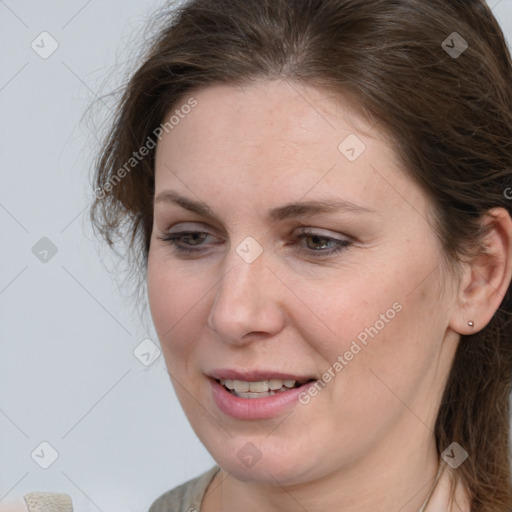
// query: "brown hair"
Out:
[449,116]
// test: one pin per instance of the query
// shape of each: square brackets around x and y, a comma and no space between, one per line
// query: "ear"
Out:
[487,277]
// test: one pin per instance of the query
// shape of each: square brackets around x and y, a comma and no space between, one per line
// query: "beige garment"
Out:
[187,497]
[48,502]
[39,502]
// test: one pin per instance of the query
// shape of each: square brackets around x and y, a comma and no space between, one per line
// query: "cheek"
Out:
[379,333]
[175,301]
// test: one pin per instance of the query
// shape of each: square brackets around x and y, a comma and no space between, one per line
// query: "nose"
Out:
[248,303]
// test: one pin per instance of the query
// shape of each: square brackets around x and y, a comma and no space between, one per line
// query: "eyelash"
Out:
[173,239]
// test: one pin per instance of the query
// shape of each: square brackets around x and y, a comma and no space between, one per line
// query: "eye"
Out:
[191,238]
[317,244]
[185,241]
[321,244]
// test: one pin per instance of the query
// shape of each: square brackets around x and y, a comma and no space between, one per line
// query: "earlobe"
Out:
[487,278]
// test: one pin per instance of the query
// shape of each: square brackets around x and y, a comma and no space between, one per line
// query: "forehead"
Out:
[275,113]
[275,139]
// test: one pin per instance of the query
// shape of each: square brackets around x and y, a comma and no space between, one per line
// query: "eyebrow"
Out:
[290,210]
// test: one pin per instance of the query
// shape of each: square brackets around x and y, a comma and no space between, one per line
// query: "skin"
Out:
[365,442]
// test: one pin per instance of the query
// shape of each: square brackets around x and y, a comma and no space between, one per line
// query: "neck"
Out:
[395,478]
[442,498]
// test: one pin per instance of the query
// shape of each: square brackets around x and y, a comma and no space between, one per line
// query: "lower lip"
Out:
[255,408]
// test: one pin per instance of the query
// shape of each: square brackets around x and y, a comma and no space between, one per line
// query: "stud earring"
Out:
[471,323]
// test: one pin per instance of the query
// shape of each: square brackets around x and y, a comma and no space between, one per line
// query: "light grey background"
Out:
[68,373]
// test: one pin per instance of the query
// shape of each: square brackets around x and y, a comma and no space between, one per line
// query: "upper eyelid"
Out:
[195,227]
[303,231]
[205,228]
[319,232]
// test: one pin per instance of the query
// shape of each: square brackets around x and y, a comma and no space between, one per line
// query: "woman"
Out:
[318,195]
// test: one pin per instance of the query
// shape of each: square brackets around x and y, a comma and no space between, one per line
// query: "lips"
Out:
[256,394]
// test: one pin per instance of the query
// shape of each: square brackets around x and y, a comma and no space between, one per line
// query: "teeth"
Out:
[241,386]
[263,386]
[258,387]
[275,384]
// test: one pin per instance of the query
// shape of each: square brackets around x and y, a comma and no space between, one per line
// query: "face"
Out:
[340,292]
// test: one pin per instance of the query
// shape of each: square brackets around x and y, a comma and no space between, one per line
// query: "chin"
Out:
[271,464]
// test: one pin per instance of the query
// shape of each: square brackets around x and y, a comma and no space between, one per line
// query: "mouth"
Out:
[250,394]
[261,388]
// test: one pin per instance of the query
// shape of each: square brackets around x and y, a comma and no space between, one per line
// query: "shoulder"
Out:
[186,497]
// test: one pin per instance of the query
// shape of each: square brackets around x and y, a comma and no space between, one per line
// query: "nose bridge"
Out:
[244,301]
